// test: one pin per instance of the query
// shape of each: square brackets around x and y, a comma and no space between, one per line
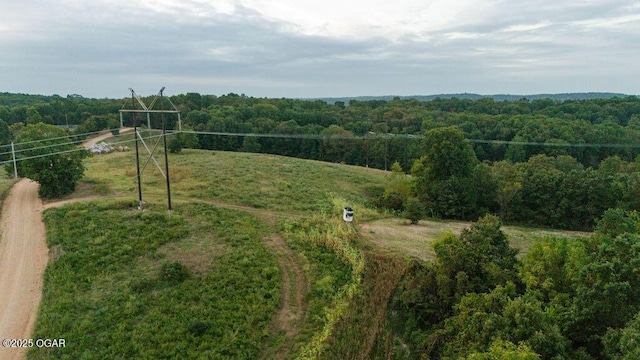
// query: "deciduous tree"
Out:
[49,159]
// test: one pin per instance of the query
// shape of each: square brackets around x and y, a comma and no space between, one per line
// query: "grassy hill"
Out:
[254,263]
[255,180]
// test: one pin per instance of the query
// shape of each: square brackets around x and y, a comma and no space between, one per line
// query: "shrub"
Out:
[413,210]
[174,272]
[175,145]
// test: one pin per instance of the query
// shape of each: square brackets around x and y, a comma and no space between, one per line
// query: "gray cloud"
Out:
[508,47]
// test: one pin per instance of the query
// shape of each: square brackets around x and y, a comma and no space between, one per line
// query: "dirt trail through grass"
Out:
[23,258]
[290,316]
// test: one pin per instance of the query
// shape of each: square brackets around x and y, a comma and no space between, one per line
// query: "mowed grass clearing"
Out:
[415,240]
[271,182]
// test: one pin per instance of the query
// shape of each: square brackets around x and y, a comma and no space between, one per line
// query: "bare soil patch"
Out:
[23,258]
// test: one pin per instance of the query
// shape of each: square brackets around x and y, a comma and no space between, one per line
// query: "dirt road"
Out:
[104,136]
[23,258]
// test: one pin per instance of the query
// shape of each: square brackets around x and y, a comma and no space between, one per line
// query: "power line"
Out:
[56,138]
[306,137]
[389,135]
[63,137]
[52,145]
[529,143]
[301,136]
[45,146]
[326,136]
[74,150]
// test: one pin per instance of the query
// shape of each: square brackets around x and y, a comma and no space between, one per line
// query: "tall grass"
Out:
[124,284]
[318,238]
[363,332]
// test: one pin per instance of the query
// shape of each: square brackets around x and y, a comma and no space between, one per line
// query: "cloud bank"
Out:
[312,49]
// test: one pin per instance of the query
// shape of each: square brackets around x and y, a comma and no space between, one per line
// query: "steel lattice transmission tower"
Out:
[138,138]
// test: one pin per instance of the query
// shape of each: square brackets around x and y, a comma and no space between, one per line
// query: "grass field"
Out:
[123,284]
[267,189]
[257,180]
[129,284]
[415,240]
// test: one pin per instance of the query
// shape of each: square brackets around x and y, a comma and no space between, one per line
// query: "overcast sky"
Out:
[301,48]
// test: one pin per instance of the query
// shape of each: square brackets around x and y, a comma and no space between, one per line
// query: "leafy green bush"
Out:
[175,145]
[413,210]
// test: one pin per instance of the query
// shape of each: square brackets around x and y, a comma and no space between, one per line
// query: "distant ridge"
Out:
[470,96]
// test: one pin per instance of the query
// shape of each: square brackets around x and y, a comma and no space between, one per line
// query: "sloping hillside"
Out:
[255,262]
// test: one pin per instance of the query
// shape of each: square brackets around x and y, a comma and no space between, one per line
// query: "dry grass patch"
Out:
[415,240]
[197,254]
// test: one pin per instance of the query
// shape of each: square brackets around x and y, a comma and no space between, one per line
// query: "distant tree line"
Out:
[614,121]
[515,177]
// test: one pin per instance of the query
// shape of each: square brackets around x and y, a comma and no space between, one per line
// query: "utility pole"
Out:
[15,166]
[138,138]
[166,153]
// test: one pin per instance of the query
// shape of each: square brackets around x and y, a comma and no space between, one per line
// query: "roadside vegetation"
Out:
[6,182]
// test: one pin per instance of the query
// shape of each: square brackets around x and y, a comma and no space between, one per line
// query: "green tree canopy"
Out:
[49,158]
[481,254]
[444,175]
[447,154]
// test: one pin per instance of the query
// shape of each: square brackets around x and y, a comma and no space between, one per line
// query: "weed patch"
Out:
[5,185]
[113,293]
[335,269]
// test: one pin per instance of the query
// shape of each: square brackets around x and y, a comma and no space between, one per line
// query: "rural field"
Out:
[255,261]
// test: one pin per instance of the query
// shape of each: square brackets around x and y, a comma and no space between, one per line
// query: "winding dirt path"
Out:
[290,316]
[23,258]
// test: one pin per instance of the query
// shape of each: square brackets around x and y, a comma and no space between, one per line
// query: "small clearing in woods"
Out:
[415,240]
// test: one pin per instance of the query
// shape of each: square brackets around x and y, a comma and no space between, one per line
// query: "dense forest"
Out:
[385,129]
[566,299]
[542,162]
